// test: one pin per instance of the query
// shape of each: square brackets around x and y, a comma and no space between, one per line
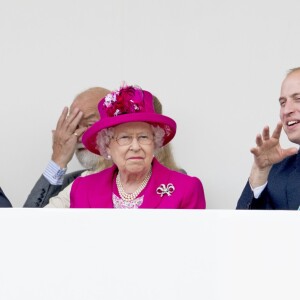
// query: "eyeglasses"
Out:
[125,140]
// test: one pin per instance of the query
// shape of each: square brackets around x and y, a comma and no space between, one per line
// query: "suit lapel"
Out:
[293,186]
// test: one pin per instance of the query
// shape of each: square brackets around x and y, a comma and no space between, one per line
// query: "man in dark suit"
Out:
[274,181]
[4,202]
[67,141]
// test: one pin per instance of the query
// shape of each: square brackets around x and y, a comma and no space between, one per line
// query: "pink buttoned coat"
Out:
[96,190]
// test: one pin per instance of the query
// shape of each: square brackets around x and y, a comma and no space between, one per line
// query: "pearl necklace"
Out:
[129,197]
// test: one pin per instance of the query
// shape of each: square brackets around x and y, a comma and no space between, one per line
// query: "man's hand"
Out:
[65,136]
[266,153]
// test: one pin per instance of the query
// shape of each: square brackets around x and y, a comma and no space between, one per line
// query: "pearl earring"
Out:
[108,157]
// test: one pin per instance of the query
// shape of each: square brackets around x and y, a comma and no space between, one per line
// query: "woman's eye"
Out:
[124,139]
[144,137]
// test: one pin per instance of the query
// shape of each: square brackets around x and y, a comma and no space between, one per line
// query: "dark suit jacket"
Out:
[43,190]
[4,202]
[282,190]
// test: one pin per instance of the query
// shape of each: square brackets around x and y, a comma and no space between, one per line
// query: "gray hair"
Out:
[105,135]
[159,134]
[103,139]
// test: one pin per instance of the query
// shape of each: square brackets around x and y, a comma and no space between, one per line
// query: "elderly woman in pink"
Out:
[129,132]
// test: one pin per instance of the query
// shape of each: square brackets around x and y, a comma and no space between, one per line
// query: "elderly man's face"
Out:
[88,104]
[290,106]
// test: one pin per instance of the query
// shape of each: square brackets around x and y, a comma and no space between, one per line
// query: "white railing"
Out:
[149,254]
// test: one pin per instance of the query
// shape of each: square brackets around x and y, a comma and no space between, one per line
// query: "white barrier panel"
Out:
[149,254]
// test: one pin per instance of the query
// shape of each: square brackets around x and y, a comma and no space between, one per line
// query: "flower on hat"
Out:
[126,100]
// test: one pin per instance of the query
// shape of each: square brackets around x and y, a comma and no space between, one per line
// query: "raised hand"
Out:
[65,136]
[268,150]
[266,153]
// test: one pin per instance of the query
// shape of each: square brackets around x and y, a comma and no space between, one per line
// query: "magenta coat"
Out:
[95,191]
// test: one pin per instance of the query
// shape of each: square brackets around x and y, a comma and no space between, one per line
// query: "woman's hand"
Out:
[266,153]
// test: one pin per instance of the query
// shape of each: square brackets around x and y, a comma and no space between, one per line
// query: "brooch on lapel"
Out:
[163,189]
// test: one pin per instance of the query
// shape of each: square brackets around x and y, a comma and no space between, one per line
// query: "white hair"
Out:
[103,139]
[159,134]
[105,135]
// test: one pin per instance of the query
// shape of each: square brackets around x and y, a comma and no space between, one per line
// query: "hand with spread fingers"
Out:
[266,153]
[66,136]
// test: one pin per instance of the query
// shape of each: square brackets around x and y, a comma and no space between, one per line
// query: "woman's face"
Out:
[132,147]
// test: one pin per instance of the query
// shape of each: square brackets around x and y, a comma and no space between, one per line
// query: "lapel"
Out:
[293,186]
[104,188]
[160,175]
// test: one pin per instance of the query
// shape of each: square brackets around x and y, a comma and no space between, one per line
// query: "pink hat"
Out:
[128,104]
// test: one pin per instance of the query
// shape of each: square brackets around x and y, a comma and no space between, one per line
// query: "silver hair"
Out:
[103,139]
[159,134]
[105,135]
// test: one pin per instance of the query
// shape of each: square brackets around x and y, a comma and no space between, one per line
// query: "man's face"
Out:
[290,106]
[88,105]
